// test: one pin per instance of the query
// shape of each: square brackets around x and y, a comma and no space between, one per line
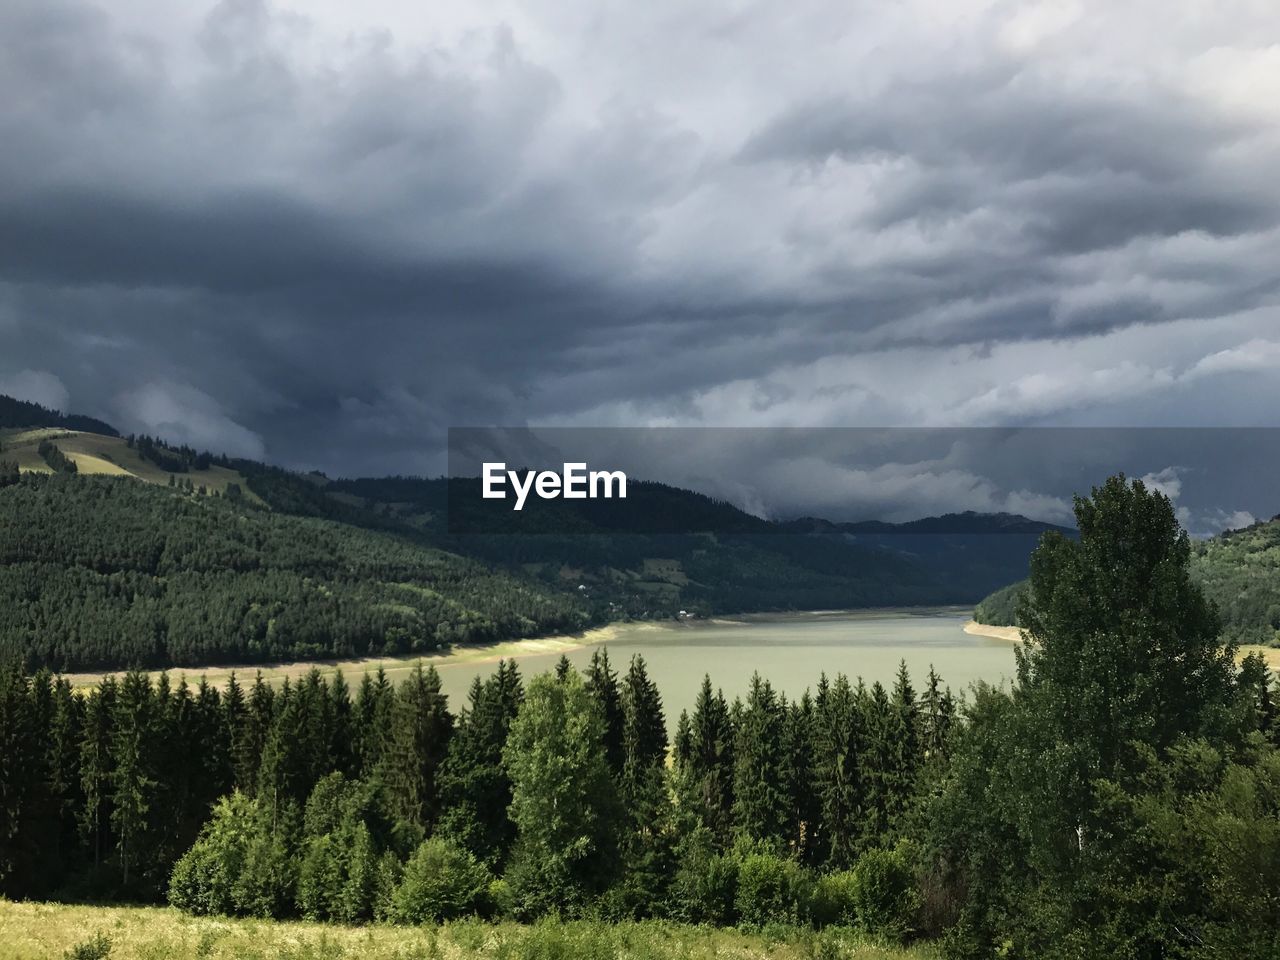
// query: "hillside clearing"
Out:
[46,931]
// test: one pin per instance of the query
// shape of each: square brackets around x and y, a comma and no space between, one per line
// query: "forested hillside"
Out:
[212,559]
[104,572]
[1239,571]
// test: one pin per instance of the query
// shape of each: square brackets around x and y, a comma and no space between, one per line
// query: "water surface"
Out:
[791,651]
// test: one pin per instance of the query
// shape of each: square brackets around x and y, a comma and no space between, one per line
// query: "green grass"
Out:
[44,931]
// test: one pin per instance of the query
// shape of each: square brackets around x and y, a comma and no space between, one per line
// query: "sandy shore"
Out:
[355,667]
[976,629]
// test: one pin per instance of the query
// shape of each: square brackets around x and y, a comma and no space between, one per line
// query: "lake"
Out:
[791,651]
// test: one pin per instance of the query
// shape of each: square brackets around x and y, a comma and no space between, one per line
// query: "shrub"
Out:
[97,947]
[834,902]
[441,881]
[771,889]
[884,893]
[706,883]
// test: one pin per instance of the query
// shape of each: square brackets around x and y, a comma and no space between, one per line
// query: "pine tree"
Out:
[878,761]
[647,843]
[706,771]
[20,788]
[602,684]
[904,746]
[341,733]
[96,770]
[63,766]
[760,800]
[133,783]
[474,785]
[803,807]
[250,738]
[374,705]
[837,775]
[421,727]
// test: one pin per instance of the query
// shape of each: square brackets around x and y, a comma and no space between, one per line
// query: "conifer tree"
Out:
[475,788]
[803,806]
[341,713]
[96,767]
[63,766]
[19,777]
[903,742]
[837,774]
[602,684]
[647,843]
[421,727]
[877,760]
[133,781]
[707,770]
[374,704]
[760,799]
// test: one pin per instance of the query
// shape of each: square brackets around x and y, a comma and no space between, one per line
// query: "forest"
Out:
[107,572]
[1121,798]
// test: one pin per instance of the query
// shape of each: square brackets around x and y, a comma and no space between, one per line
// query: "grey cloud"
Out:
[347,241]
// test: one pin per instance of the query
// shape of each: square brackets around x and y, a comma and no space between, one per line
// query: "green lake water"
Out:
[791,651]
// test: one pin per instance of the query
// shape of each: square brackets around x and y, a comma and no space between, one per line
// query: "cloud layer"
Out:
[325,232]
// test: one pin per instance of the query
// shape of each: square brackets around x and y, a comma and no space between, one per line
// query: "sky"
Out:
[323,233]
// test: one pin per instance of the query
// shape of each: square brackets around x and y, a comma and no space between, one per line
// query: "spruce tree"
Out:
[706,772]
[20,788]
[475,788]
[133,782]
[839,741]
[421,727]
[602,684]
[96,768]
[647,842]
[760,799]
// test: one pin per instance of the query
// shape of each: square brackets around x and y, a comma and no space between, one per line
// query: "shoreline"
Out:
[276,671]
[992,632]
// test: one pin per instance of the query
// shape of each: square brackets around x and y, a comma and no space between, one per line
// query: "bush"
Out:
[706,883]
[771,889]
[97,947]
[204,879]
[834,902]
[441,881]
[884,894]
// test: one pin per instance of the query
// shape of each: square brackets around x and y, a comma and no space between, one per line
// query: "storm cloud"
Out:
[324,233]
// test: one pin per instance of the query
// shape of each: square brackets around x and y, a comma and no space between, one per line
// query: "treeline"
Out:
[552,798]
[174,458]
[20,413]
[97,572]
[58,461]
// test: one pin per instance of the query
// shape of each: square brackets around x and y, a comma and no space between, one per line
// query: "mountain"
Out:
[1239,570]
[213,559]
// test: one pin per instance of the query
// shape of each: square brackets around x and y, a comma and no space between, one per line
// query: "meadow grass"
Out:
[49,931]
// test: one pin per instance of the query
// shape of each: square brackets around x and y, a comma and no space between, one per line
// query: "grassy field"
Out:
[41,931]
[109,456]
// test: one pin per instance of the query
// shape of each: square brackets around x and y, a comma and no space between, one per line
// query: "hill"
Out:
[101,572]
[1239,570]
[214,560]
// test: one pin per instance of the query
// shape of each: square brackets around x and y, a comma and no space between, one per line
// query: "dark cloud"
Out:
[325,234]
